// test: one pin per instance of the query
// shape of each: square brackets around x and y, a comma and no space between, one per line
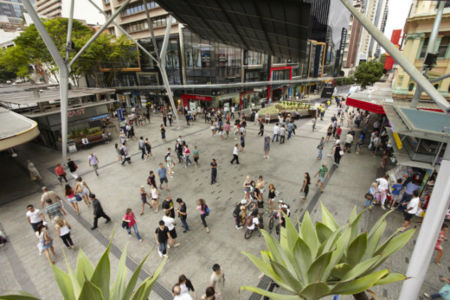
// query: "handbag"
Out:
[368,196]
[124,225]
[341,153]
[78,197]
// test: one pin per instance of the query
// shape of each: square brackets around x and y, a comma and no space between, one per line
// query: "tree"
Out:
[368,73]
[326,259]
[93,283]
[13,63]
[34,51]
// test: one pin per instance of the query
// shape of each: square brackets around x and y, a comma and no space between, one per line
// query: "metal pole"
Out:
[429,231]
[430,49]
[63,72]
[69,31]
[162,68]
[150,26]
[125,33]
[94,37]
[399,58]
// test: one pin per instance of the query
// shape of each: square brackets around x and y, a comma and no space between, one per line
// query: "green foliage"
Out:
[30,49]
[90,282]
[327,259]
[13,63]
[368,73]
[345,80]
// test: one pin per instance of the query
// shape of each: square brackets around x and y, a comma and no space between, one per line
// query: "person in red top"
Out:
[60,173]
[442,237]
[338,132]
[129,222]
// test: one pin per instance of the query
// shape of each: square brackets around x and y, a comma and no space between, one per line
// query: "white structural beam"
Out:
[63,72]
[399,58]
[429,231]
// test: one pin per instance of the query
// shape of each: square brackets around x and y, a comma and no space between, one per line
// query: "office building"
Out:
[83,10]
[417,29]
[353,38]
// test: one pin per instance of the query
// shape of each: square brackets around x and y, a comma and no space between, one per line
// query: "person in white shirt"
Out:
[348,142]
[411,210]
[276,133]
[235,154]
[177,295]
[169,222]
[383,186]
[255,220]
[34,217]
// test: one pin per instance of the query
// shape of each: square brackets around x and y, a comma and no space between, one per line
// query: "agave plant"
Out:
[93,283]
[326,259]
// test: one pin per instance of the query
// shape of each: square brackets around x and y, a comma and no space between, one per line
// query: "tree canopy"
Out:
[368,73]
[30,49]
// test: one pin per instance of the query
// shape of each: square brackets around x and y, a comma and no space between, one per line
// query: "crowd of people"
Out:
[248,212]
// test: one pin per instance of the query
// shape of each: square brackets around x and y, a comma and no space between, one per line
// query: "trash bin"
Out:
[72,147]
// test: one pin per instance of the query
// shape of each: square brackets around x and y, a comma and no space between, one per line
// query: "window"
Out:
[410,86]
[424,48]
[436,86]
[443,46]
[137,7]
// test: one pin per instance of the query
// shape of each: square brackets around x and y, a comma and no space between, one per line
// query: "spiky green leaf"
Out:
[64,283]
[327,218]
[84,268]
[374,239]
[133,280]
[102,273]
[303,257]
[90,291]
[323,232]
[119,284]
[145,288]
[360,268]
[293,284]
[315,291]
[308,234]
[271,295]
[340,270]
[391,278]
[318,267]
[357,249]
[360,284]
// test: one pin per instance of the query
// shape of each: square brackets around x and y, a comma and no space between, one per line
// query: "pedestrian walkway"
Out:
[117,187]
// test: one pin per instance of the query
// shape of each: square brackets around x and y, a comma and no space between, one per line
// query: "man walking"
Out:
[320,148]
[162,173]
[213,171]
[235,154]
[35,217]
[182,214]
[161,238]
[323,174]
[125,155]
[98,211]
[276,132]
[93,162]
[168,207]
[142,146]
[217,281]
[53,209]
[46,194]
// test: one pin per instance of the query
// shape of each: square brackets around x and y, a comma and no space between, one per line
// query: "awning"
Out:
[15,129]
[369,106]
[279,28]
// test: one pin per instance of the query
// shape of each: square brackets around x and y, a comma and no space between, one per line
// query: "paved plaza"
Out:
[117,188]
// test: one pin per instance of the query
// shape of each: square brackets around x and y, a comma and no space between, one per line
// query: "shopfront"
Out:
[192,102]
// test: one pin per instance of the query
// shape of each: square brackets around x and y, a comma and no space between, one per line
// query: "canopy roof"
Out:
[15,129]
[279,28]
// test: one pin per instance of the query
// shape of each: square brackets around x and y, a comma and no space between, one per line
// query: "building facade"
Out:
[61,8]
[12,10]
[194,60]
[353,38]
[417,30]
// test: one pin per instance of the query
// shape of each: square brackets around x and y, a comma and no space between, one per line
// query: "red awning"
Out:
[372,107]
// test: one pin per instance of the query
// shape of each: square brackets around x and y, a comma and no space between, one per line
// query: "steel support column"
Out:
[429,231]
[399,58]
[63,72]
[430,49]
[162,68]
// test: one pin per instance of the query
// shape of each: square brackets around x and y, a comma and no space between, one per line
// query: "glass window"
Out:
[424,48]
[443,46]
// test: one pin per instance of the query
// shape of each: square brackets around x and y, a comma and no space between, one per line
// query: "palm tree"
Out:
[326,259]
[93,283]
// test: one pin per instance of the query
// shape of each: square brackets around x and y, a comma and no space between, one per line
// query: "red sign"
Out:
[196,97]
[76,112]
[395,38]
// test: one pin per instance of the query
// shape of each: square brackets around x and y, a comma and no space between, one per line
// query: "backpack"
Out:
[207,210]
[122,152]
[249,221]
[237,210]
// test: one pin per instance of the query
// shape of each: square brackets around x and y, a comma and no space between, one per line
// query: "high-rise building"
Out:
[353,38]
[83,10]
[375,10]
[12,10]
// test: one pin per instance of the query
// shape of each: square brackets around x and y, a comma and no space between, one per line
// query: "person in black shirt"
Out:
[72,167]
[151,180]
[261,128]
[167,205]
[182,214]
[161,238]
[213,171]
[98,211]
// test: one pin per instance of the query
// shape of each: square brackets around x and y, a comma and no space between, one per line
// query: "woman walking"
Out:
[260,185]
[170,164]
[63,229]
[196,154]
[204,212]
[186,286]
[163,133]
[46,242]
[83,190]
[154,203]
[329,132]
[144,196]
[129,221]
[320,148]
[187,153]
[271,196]
[70,195]
[148,149]
[338,153]
[305,186]
[227,127]
[247,187]
[266,146]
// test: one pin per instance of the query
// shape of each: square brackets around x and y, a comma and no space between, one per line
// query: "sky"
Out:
[398,12]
